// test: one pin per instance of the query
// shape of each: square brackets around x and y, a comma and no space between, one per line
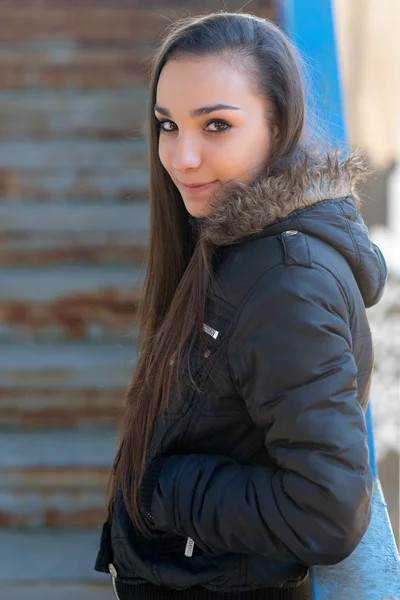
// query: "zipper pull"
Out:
[213,332]
[189,547]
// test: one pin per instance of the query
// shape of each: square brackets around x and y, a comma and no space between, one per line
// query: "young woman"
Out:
[243,457]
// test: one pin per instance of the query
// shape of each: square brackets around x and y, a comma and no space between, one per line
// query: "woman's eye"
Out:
[219,125]
[161,124]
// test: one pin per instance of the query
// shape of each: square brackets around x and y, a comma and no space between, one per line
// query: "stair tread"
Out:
[97,184]
[80,356]
[77,219]
[56,555]
[21,283]
[58,592]
[30,366]
[81,447]
[47,155]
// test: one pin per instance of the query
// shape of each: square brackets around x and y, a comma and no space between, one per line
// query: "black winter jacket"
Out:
[264,470]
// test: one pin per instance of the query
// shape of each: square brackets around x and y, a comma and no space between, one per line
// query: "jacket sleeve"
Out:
[292,363]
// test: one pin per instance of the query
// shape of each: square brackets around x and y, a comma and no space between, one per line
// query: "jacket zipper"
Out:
[213,332]
[114,574]
[189,547]
[115,587]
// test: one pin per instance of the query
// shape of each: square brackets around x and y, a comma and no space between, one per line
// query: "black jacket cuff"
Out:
[148,485]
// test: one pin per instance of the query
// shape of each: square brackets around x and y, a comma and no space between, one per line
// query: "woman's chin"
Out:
[197,209]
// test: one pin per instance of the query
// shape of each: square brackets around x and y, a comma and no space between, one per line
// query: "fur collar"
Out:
[296,182]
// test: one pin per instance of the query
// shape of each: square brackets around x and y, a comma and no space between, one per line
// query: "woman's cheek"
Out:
[163,156]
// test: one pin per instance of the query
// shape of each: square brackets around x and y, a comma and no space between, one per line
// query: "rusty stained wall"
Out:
[73,167]
[73,235]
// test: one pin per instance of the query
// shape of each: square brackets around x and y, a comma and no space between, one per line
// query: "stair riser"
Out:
[52,517]
[66,378]
[97,184]
[103,116]
[83,21]
[51,498]
[52,78]
[27,410]
[98,319]
[29,421]
[75,156]
[62,331]
[74,303]
[45,481]
[30,249]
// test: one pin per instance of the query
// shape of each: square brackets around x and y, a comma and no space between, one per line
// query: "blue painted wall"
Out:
[372,572]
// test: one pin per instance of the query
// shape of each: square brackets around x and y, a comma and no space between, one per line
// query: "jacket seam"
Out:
[315,266]
[382,279]
[293,216]
[177,484]
[239,314]
[347,223]
[338,283]
[298,221]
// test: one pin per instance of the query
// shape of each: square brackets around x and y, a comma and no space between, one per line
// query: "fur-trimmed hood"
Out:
[314,194]
[297,182]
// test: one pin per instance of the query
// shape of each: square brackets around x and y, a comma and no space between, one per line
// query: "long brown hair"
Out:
[179,270]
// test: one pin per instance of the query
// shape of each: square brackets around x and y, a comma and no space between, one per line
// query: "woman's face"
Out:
[216,144]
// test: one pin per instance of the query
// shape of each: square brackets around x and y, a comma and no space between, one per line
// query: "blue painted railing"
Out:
[372,572]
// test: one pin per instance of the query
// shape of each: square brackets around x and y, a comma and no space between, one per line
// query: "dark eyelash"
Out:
[228,126]
[159,123]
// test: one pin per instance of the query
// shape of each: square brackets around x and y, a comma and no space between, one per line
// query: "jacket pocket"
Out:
[105,553]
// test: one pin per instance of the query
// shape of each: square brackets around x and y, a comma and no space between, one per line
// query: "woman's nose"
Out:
[187,154]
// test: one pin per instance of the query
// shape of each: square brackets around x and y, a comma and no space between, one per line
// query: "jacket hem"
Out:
[150,591]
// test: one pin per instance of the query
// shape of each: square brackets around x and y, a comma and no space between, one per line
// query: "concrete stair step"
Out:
[65,591]
[49,509]
[73,168]
[56,156]
[74,366]
[35,234]
[97,184]
[62,66]
[52,558]
[55,478]
[34,248]
[91,22]
[71,321]
[83,21]
[80,448]
[70,302]
[80,219]
[47,407]
[43,284]
[102,115]
[55,66]
[94,248]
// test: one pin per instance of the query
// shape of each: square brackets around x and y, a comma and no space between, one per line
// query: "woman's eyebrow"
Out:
[197,112]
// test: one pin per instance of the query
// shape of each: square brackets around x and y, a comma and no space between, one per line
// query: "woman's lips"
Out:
[198,188]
